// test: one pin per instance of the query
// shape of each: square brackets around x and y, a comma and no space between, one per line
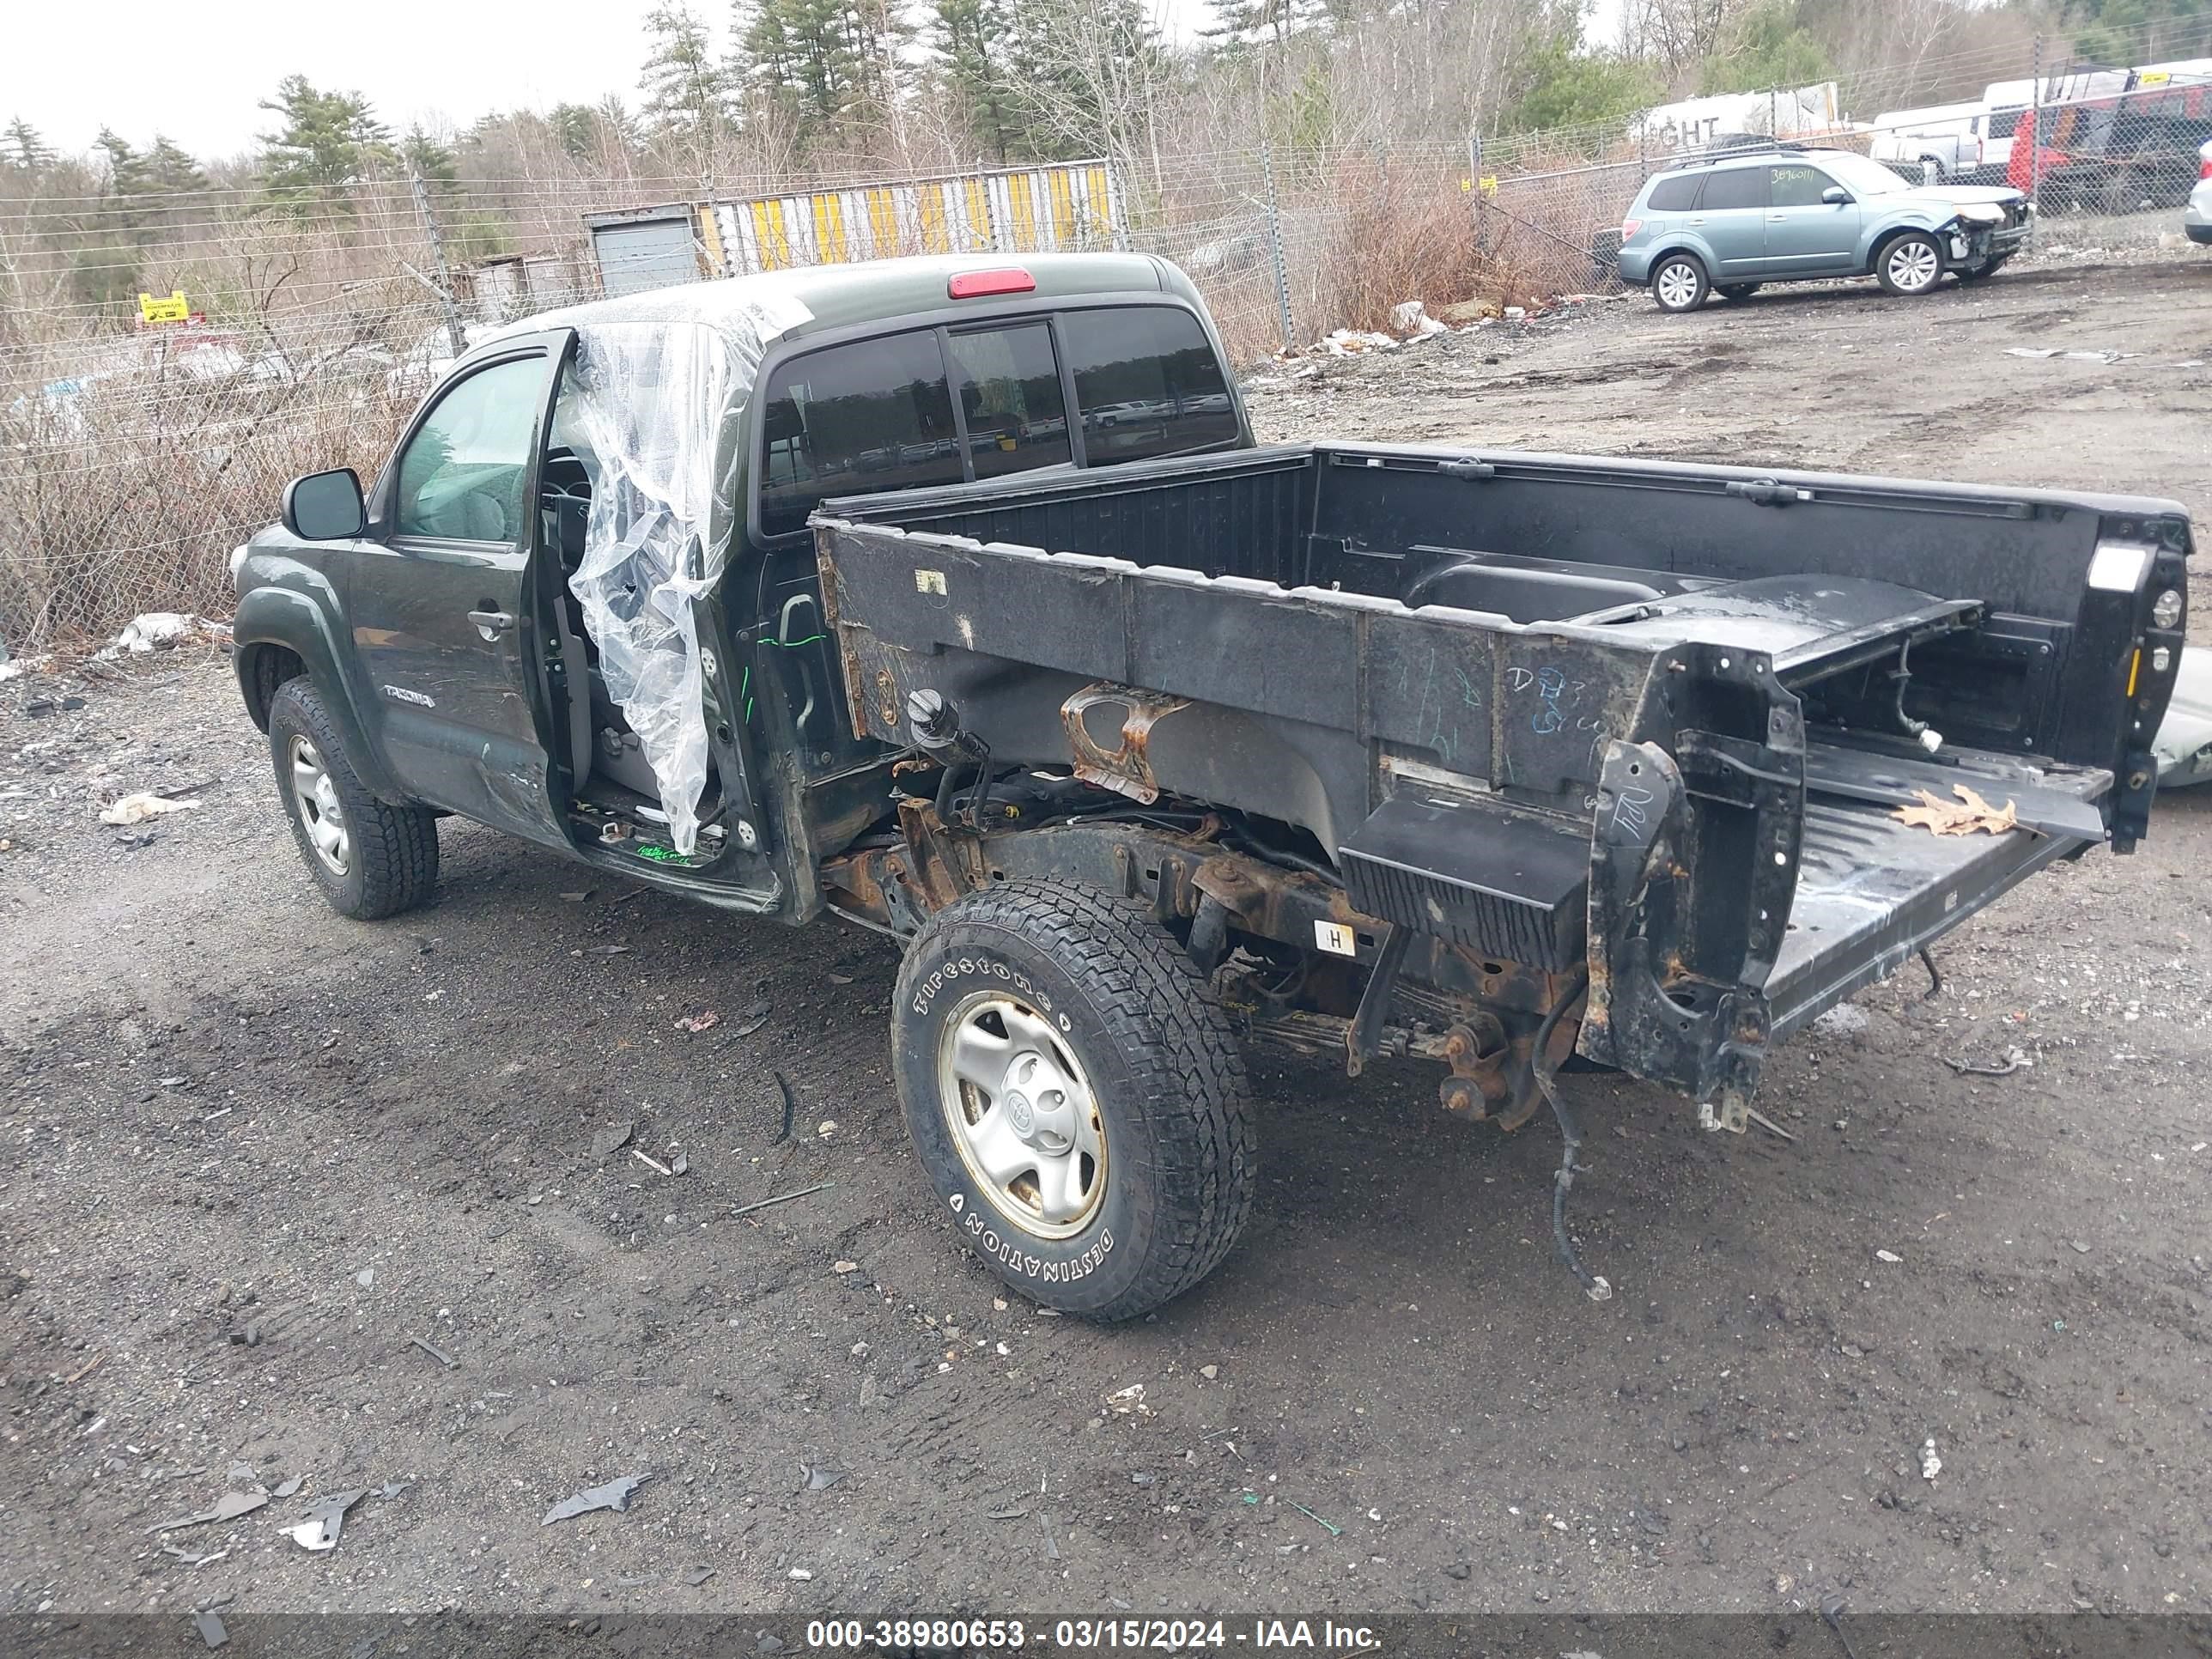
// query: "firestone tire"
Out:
[1080,1106]
[370,860]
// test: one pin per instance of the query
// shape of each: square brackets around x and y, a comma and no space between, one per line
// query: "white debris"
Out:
[136,809]
[1413,318]
[156,629]
[1842,1021]
[1930,1465]
[800,1575]
[1890,1256]
[1516,314]
[1351,342]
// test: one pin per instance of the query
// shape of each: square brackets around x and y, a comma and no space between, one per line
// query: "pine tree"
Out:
[575,128]
[430,160]
[22,146]
[127,173]
[686,91]
[1091,73]
[330,141]
[1257,24]
[970,39]
[172,171]
[618,125]
[822,60]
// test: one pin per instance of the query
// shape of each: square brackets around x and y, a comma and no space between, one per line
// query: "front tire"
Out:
[1679,282]
[1910,266]
[370,860]
[1080,1106]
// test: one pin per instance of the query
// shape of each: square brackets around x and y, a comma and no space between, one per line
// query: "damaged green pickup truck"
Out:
[951,598]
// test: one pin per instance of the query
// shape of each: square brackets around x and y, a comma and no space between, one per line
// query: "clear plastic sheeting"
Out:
[660,382]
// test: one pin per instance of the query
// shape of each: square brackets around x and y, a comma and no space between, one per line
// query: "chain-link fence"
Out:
[134,455]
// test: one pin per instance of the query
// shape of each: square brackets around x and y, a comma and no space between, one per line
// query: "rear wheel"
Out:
[371,859]
[1079,1104]
[1678,283]
[1910,266]
[1737,290]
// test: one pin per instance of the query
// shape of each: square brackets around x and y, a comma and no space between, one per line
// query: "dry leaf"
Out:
[1935,813]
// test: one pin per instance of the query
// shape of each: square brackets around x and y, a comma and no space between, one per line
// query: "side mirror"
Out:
[1836,196]
[325,506]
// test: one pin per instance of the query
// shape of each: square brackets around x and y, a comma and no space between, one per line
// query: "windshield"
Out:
[1861,177]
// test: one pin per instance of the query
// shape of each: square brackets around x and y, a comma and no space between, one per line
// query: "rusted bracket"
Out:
[1126,768]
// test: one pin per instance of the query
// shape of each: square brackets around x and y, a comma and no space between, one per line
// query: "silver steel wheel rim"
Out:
[320,813]
[1678,286]
[1022,1112]
[1913,265]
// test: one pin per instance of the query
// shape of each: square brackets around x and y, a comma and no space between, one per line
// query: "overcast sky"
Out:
[197,73]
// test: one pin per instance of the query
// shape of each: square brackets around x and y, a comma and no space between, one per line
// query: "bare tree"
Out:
[1678,34]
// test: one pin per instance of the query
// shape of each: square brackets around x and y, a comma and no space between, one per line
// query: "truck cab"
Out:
[563,567]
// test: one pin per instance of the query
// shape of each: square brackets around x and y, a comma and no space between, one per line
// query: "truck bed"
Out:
[1565,713]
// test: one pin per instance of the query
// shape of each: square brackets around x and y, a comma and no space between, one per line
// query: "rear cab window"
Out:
[854,419]
[926,407]
[1147,383]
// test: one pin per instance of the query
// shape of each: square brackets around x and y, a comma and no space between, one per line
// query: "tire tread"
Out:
[1178,1044]
[394,848]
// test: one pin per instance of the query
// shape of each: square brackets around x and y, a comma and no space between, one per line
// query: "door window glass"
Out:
[853,420]
[1008,382]
[1147,383]
[1734,187]
[462,476]
[1796,185]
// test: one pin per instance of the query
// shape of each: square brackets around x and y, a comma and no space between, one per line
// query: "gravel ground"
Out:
[251,1150]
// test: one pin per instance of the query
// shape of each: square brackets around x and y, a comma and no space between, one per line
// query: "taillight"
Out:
[1629,227]
[2204,167]
[973,284]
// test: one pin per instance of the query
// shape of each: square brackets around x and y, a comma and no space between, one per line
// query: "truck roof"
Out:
[813,299]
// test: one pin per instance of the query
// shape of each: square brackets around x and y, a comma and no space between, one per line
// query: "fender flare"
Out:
[302,624]
[1704,256]
[1870,256]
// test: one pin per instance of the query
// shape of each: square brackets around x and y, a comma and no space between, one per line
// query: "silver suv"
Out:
[1782,214]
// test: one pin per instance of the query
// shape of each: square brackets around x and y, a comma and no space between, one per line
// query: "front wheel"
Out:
[1911,265]
[1678,283]
[1080,1106]
[1737,290]
[370,860]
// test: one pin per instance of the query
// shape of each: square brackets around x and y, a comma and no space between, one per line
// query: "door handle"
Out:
[491,623]
[1777,218]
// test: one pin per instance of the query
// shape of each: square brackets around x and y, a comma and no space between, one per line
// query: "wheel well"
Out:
[267,667]
[1881,242]
[1689,253]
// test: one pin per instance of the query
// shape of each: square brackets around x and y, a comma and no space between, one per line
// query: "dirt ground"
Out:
[251,1150]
